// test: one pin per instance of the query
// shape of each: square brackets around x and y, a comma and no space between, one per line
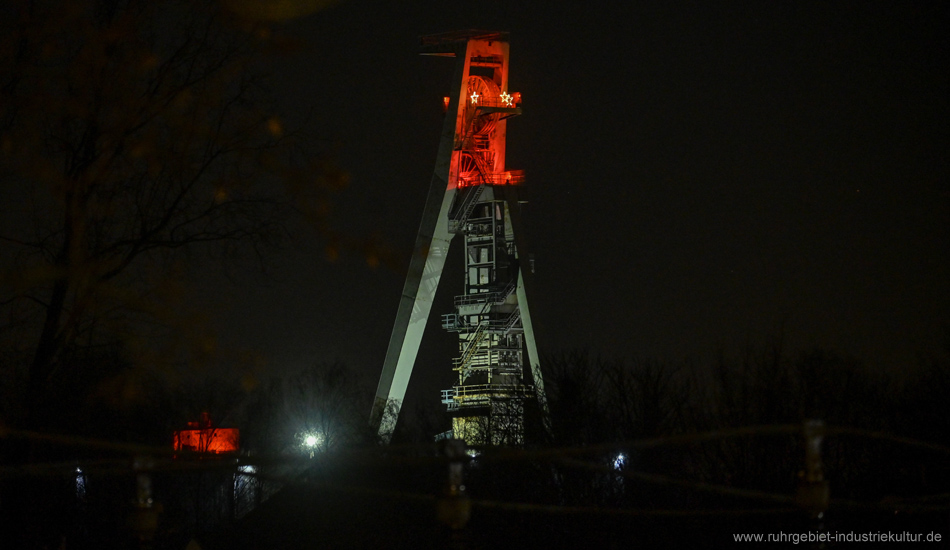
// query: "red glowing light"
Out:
[204,438]
[211,440]
[445,104]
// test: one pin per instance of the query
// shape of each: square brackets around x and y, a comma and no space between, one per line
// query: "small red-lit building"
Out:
[203,437]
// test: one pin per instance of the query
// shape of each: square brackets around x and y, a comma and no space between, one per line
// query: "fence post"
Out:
[813,493]
[143,520]
[453,507]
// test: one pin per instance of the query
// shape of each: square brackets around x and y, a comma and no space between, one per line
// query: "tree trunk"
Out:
[44,358]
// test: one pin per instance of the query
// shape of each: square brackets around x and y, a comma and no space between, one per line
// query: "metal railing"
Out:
[484,392]
[496,102]
[453,321]
[510,177]
[485,297]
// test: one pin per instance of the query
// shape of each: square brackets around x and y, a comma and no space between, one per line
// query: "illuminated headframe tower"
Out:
[473,195]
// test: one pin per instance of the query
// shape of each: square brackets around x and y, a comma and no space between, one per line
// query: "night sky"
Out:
[701,176]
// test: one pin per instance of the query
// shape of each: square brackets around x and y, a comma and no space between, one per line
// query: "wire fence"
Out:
[165,460]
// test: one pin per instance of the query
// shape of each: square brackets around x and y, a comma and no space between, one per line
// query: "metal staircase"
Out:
[457,222]
[470,200]
[462,363]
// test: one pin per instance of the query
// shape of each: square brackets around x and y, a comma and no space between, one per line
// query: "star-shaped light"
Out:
[474,97]
[506,98]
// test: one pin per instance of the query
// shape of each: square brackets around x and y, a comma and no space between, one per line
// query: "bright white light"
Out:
[309,442]
[506,98]
[620,461]
[80,483]
[474,97]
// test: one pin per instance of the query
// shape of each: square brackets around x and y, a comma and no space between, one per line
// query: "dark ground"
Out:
[396,508]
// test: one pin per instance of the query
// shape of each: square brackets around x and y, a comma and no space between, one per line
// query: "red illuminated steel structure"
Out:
[202,437]
[471,194]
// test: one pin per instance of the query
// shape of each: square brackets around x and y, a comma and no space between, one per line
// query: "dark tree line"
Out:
[597,401]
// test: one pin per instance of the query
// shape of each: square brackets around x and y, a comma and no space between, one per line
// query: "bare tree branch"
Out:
[136,131]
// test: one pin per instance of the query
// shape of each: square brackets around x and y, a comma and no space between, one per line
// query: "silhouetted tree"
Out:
[135,136]
[137,145]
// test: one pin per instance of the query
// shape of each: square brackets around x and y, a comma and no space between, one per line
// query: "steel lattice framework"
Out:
[472,194]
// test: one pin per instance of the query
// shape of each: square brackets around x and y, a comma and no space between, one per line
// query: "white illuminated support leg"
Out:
[428,260]
[526,281]
[425,271]
[533,359]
